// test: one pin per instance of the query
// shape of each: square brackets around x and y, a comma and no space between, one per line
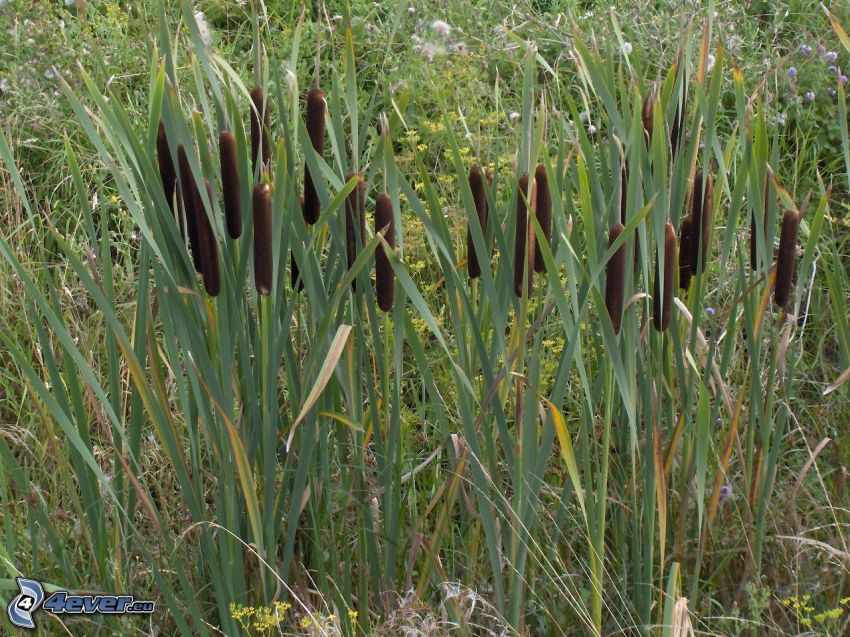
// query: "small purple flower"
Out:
[805,49]
[842,80]
[710,311]
[831,91]
[834,69]
[831,56]
[792,72]
[725,492]
[810,96]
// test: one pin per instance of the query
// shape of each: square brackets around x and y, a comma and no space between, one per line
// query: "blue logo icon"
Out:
[25,603]
[31,598]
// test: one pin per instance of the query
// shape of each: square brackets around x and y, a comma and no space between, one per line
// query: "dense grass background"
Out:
[774,559]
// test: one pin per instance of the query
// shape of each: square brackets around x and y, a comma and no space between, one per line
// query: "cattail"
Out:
[189,190]
[648,115]
[209,246]
[316,107]
[384,275]
[294,272]
[754,254]
[615,273]
[230,184]
[166,167]
[524,241]
[355,220]
[662,306]
[476,185]
[786,256]
[262,200]
[260,127]
[543,204]
[686,268]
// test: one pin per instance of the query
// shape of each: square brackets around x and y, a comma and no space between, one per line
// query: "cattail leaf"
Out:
[662,297]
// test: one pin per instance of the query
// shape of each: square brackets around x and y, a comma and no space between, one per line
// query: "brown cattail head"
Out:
[189,190]
[262,200]
[678,125]
[316,107]
[167,174]
[786,257]
[662,298]
[524,240]
[686,238]
[754,254]
[230,184]
[294,272]
[544,214]
[384,276]
[260,128]
[209,246]
[615,273]
[479,198]
[648,115]
[355,220]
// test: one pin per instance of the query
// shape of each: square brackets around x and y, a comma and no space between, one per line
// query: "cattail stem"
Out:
[754,253]
[479,198]
[209,246]
[189,190]
[315,121]
[662,298]
[355,220]
[384,275]
[262,238]
[230,184]
[615,273]
[524,240]
[543,211]
[260,128]
[786,257]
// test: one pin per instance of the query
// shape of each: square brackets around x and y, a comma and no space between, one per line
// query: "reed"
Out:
[189,190]
[260,128]
[209,246]
[615,274]
[543,211]
[315,121]
[476,185]
[262,204]
[523,247]
[384,275]
[662,298]
[230,189]
[355,220]
[786,257]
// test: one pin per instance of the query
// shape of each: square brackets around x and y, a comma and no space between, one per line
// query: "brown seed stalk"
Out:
[209,246]
[315,121]
[544,214]
[686,239]
[662,298]
[786,257]
[479,198]
[624,189]
[678,125]
[262,201]
[384,275]
[615,274]
[355,220]
[230,184]
[524,240]
[260,128]
[167,174]
[647,114]
[189,190]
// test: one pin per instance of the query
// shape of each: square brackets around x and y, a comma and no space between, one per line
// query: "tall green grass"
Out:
[588,490]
